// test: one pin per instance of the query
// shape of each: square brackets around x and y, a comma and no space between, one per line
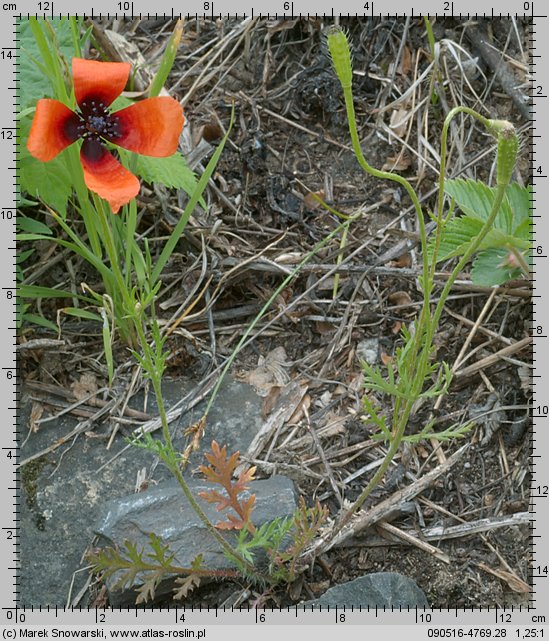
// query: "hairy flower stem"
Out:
[404,413]
[414,370]
[155,375]
[229,550]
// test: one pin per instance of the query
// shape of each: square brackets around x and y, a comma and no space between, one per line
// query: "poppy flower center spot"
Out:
[97,122]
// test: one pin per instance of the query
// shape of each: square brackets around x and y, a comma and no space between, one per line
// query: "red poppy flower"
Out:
[151,127]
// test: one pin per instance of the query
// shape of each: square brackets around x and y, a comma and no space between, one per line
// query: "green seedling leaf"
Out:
[81,313]
[168,59]
[22,256]
[36,291]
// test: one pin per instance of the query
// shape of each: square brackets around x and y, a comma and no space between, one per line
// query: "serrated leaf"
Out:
[186,585]
[475,199]
[172,171]
[519,199]
[512,229]
[489,268]
[457,234]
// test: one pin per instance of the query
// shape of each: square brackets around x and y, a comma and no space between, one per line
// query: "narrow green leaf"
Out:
[81,313]
[35,291]
[167,61]
[39,320]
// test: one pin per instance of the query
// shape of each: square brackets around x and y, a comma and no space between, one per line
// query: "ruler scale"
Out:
[518,622]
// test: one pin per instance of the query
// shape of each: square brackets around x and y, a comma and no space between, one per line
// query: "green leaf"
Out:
[195,198]
[81,313]
[488,269]
[48,181]
[35,291]
[475,199]
[167,61]
[457,234]
[22,256]
[512,229]
[172,171]
[39,320]
[31,64]
[519,199]
[32,226]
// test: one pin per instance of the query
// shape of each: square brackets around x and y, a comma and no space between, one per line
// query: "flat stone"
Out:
[63,492]
[165,511]
[381,589]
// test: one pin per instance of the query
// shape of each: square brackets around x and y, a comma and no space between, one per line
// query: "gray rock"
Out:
[378,589]
[165,512]
[63,492]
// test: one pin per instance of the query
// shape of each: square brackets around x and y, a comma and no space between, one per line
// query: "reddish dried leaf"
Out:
[221,471]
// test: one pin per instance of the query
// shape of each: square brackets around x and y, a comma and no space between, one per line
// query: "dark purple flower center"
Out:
[96,122]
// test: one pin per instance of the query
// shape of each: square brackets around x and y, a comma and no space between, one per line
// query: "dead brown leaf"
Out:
[512,580]
[397,326]
[402,261]
[399,121]
[186,585]
[36,414]
[311,199]
[401,162]
[270,372]
[386,359]
[300,410]
[85,386]
[400,298]
[405,62]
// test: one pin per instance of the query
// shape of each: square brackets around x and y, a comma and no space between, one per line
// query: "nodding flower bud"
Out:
[341,56]
[508,144]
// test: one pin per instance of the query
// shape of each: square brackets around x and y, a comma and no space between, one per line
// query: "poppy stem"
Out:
[154,368]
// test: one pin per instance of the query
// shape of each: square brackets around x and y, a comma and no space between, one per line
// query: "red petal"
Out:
[104,175]
[103,81]
[53,128]
[151,127]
